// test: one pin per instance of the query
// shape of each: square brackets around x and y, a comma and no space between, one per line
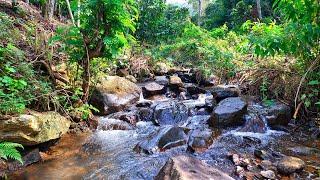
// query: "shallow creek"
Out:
[109,154]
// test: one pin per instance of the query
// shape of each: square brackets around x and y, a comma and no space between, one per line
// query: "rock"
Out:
[304,151]
[28,157]
[153,88]
[131,78]
[253,123]
[162,80]
[113,94]
[170,113]
[3,168]
[122,72]
[222,92]
[188,168]
[265,164]
[289,165]
[268,174]
[33,128]
[229,112]
[278,114]
[114,124]
[145,114]
[193,89]
[240,171]
[200,140]
[161,68]
[175,81]
[165,138]
[262,154]
[129,117]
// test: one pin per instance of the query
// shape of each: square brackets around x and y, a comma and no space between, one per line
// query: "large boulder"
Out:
[170,113]
[229,112]
[113,94]
[289,165]
[175,81]
[222,92]
[278,114]
[188,168]
[165,138]
[33,128]
[153,88]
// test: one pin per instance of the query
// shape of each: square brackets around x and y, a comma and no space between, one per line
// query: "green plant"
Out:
[8,150]
[264,91]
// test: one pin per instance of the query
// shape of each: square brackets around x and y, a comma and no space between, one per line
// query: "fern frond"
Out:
[8,151]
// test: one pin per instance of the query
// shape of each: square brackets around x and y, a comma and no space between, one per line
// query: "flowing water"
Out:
[109,154]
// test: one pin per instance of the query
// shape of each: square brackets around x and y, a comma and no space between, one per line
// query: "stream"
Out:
[113,152]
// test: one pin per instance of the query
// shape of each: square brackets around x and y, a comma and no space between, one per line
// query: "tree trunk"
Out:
[45,9]
[86,77]
[78,13]
[51,8]
[14,4]
[70,12]
[199,11]
[259,9]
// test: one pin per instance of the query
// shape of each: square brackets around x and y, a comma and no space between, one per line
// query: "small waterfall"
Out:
[141,98]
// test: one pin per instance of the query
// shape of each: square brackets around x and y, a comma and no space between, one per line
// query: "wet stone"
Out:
[162,80]
[268,174]
[289,165]
[278,114]
[114,124]
[170,113]
[153,88]
[229,112]
[222,92]
[262,154]
[145,114]
[165,138]
[188,168]
[200,140]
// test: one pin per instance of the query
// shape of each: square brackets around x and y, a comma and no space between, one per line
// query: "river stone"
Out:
[175,81]
[162,80]
[278,114]
[34,128]
[188,168]
[145,114]
[222,92]
[129,117]
[269,174]
[200,140]
[170,113]
[253,123]
[229,112]
[28,157]
[304,151]
[193,89]
[153,88]
[114,124]
[165,138]
[113,94]
[289,165]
